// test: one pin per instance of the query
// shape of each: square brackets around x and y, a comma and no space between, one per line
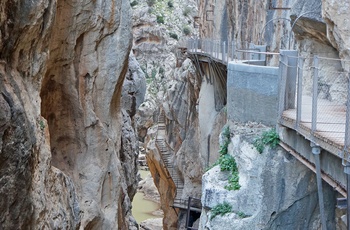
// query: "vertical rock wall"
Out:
[62,66]
[320,29]
[277,191]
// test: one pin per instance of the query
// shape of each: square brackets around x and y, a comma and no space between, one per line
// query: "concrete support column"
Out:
[316,151]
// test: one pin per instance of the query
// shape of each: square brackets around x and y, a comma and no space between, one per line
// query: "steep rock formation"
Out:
[277,191]
[313,34]
[64,63]
[243,22]
[172,87]
[335,13]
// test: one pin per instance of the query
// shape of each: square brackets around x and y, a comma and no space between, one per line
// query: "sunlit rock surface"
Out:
[63,161]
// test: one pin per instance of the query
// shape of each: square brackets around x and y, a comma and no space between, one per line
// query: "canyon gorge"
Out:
[85,85]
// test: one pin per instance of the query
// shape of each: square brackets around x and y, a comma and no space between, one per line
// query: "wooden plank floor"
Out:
[330,126]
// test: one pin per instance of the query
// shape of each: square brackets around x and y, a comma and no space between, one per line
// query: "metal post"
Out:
[223,56]
[316,151]
[346,156]
[188,213]
[314,95]
[347,172]
[299,93]
[233,50]
[283,79]
[195,45]
[347,125]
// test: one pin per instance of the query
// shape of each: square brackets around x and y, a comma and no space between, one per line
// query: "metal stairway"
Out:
[166,156]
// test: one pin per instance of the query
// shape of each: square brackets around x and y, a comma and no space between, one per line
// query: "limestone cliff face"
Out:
[62,66]
[277,191]
[172,86]
[243,22]
[318,29]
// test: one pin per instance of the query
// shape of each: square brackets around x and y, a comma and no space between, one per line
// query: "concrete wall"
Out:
[252,93]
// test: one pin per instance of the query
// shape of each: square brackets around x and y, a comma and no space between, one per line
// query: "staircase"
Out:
[166,156]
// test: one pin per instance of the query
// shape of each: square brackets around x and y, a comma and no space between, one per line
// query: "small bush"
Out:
[154,73]
[173,35]
[42,124]
[161,71]
[227,163]
[134,3]
[186,11]
[186,30]
[242,215]
[170,4]
[270,138]
[220,209]
[160,19]
[226,132]
[233,182]
[151,2]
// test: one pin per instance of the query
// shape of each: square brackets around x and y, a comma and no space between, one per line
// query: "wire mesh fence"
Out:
[315,100]
[226,51]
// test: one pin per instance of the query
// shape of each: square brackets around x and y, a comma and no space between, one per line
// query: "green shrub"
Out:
[134,3]
[154,73]
[233,182]
[186,11]
[173,35]
[227,163]
[226,132]
[170,4]
[270,138]
[160,19]
[224,147]
[42,124]
[242,214]
[220,209]
[151,2]
[186,30]
[161,71]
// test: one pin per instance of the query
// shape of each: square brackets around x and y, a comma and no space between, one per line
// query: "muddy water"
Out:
[142,209]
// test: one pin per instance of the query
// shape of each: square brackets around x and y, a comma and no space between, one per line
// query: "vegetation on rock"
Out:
[160,19]
[220,209]
[173,35]
[134,3]
[270,138]
[186,30]
[227,162]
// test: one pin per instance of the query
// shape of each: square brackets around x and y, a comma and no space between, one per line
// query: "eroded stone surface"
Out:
[62,66]
[276,191]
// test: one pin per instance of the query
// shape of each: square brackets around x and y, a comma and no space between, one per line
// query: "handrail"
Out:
[171,174]
[224,51]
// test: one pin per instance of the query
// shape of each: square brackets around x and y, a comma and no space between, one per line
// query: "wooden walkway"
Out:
[330,125]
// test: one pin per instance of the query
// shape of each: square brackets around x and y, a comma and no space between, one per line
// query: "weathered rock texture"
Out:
[174,88]
[277,191]
[319,28]
[162,180]
[62,162]
[243,22]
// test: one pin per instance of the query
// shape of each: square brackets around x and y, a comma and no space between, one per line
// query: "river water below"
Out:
[141,208]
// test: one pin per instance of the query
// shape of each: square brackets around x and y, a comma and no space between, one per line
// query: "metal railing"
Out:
[315,100]
[225,52]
